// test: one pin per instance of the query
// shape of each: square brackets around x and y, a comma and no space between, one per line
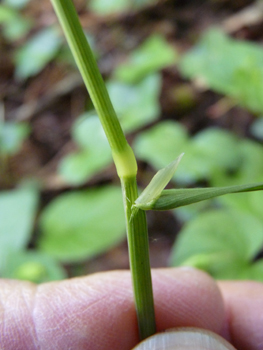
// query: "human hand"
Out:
[97,312]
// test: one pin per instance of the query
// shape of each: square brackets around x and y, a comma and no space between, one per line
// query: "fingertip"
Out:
[187,297]
[97,312]
[103,304]
[244,321]
[93,312]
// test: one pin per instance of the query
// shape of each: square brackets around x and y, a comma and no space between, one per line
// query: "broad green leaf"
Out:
[77,168]
[17,215]
[12,136]
[207,154]
[250,164]
[95,153]
[171,199]
[160,144]
[216,149]
[153,55]
[211,155]
[224,243]
[188,212]
[87,130]
[32,57]
[33,266]
[19,4]
[136,105]
[14,25]
[105,7]
[228,66]
[82,224]
[250,203]
[250,170]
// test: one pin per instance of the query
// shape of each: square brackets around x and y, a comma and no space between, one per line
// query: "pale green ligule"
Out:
[153,191]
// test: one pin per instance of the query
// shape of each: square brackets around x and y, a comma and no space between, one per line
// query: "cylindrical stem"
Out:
[139,260]
[124,160]
[87,65]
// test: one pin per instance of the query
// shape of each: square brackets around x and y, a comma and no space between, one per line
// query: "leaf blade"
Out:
[171,199]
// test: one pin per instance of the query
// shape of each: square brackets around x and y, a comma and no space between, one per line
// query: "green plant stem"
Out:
[124,160]
[86,63]
[139,259]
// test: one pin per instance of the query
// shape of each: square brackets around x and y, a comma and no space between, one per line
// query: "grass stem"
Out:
[124,160]
[137,234]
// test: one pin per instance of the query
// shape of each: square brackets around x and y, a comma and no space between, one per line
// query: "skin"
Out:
[97,312]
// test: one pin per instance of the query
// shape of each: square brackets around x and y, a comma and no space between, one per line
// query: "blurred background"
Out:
[184,76]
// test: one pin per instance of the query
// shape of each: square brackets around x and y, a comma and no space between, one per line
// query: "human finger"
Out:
[97,312]
[244,316]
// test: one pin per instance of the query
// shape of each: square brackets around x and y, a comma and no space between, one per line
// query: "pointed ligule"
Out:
[153,191]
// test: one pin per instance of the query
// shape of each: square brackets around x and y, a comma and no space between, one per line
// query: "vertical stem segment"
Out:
[88,67]
[124,160]
[139,259]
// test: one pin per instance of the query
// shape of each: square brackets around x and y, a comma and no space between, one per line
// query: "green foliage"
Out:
[19,4]
[250,169]
[212,151]
[160,144]
[206,154]
[15,26]
[34,55]
[213,155]
[105,7]
[81,224]
[17,216]
[21,204]
[221,158]
[12,136]
[251,166]
[94,154]
[33,266]
[153,55]
[229,66]
[224,243]
[136,104]
[247,203]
